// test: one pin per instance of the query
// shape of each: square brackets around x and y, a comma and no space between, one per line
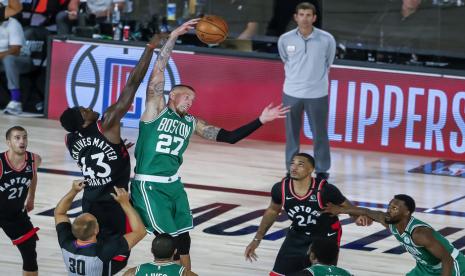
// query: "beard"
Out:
[391,220]
[181,111]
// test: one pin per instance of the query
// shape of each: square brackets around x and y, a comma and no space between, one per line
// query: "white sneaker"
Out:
[13,108]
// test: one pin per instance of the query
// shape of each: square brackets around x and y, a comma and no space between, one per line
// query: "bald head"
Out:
[85,227]
[181,89]
[181,98]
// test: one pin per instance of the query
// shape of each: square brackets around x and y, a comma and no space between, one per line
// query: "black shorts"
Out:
[110,216]
[293,254]
[18,228]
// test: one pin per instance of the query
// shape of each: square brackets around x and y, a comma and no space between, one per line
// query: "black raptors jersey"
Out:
[305,211]
[103,164]
[14,185]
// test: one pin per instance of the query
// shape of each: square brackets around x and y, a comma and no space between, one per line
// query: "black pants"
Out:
[112,221]
[110,216]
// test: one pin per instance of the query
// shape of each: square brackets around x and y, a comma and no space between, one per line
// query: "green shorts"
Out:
[163,207]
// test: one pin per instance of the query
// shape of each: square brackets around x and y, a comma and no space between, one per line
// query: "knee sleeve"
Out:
[183,244]
[29,254]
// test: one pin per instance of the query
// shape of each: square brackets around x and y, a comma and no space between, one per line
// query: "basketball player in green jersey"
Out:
[164,132]
[163,250]
[323,257]
[434,254]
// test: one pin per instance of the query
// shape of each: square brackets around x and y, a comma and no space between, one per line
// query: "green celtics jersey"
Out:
[327,270]
[159,269]
[162,142]
[423,257]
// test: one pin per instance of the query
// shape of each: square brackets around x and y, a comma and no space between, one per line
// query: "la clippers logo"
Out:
[98,74]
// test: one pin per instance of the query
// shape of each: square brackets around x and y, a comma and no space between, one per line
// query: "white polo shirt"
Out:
[11,33]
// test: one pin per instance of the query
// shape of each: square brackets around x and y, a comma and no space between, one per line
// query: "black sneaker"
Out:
[322,175]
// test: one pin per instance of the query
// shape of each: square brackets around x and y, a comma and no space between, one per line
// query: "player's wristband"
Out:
[258,240]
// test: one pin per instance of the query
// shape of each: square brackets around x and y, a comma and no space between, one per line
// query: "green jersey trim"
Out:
[156,117]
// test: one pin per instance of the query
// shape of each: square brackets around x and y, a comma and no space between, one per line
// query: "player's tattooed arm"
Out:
[116,112]
[154,97]
[204,130]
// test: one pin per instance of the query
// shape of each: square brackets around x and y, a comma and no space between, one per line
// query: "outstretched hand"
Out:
[333,209]
[121,196]
[271,113]
[184,28]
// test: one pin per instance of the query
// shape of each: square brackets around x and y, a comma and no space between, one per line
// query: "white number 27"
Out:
[165,141]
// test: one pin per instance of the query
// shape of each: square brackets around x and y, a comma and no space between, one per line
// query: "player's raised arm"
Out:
[214,133]
[154,98]
[116,112]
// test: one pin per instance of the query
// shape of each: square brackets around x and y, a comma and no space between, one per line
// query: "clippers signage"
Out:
[369,109]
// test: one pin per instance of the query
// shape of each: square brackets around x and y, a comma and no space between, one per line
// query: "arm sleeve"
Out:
[276,193]
[64,233]
[332,194]
[238,134]
[113,247]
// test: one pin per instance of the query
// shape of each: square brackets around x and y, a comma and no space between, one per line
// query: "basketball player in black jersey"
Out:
[100,152]
[83,253]
[18,181]
[303,198]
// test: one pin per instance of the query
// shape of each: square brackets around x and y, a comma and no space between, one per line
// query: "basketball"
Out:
[211,29]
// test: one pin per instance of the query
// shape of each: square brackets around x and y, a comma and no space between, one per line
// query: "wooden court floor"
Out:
[228,188]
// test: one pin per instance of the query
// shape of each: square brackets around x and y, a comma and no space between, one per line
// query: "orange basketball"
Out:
[211,29]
